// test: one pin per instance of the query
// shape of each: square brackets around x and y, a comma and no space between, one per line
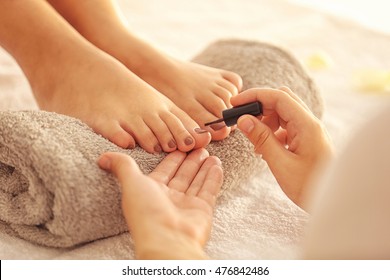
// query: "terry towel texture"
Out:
[53,193]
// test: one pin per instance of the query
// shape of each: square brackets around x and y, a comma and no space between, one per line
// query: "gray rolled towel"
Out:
[53,193]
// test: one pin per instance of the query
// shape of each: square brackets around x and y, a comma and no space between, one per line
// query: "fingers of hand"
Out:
[188,170]
[168,167]
[295,97]
[274,101]
[121,165]
[213,179]
[211,185]
[261,137]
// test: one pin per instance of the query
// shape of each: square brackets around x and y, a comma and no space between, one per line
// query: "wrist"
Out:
[168,245]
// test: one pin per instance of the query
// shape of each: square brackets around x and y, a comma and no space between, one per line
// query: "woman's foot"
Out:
[99,90]
[202,92]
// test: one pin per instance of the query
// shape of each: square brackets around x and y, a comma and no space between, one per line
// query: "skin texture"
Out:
[290,138]
[200,91]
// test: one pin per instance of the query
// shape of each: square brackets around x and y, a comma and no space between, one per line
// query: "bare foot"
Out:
[202,92]
[99,90]
[69,75]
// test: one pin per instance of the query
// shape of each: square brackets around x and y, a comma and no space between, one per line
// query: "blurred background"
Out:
[373,14]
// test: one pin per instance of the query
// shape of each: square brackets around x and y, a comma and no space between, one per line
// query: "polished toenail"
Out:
[200,130]
[172,144]
[217,126]
[157,148]
[188,141]
[131,146]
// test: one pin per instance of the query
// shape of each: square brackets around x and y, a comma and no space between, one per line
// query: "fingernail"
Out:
[105,162]
[246,124]
[217,126]
[188,141]
[172,144]
[157,148]
[200,130]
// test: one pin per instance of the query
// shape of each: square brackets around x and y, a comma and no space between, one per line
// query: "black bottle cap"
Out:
[230,116]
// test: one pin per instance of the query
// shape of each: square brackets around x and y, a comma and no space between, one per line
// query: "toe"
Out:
[162,133]
[228,86]
[175,122]
[202,115]
[224,94]
[214,105]
[219,132]
[117,135]
[234,78]
[143,135]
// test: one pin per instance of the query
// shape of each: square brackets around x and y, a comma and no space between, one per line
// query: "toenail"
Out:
[131,146]
[188,141]
[157,148]
[199,130]
[172,144]
[217,126]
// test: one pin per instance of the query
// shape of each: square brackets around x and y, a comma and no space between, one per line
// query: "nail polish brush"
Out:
[230,116]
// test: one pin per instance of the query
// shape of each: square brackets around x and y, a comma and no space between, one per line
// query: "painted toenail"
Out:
[217,126]
[172,144]
[188,141]
[131,146]
[157,148]
[199,130]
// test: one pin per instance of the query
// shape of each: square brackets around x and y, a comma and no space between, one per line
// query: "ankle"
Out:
[52,72]
[136,54]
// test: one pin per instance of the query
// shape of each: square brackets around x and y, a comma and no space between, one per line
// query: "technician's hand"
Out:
[169,212]
[289,137]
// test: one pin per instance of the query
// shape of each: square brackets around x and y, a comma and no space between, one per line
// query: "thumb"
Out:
[140,194]
[122,166]
[131,180]
[263,139]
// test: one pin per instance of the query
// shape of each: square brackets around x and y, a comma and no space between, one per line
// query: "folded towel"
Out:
[53,193]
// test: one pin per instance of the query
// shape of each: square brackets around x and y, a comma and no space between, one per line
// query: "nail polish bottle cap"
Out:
[230,116]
